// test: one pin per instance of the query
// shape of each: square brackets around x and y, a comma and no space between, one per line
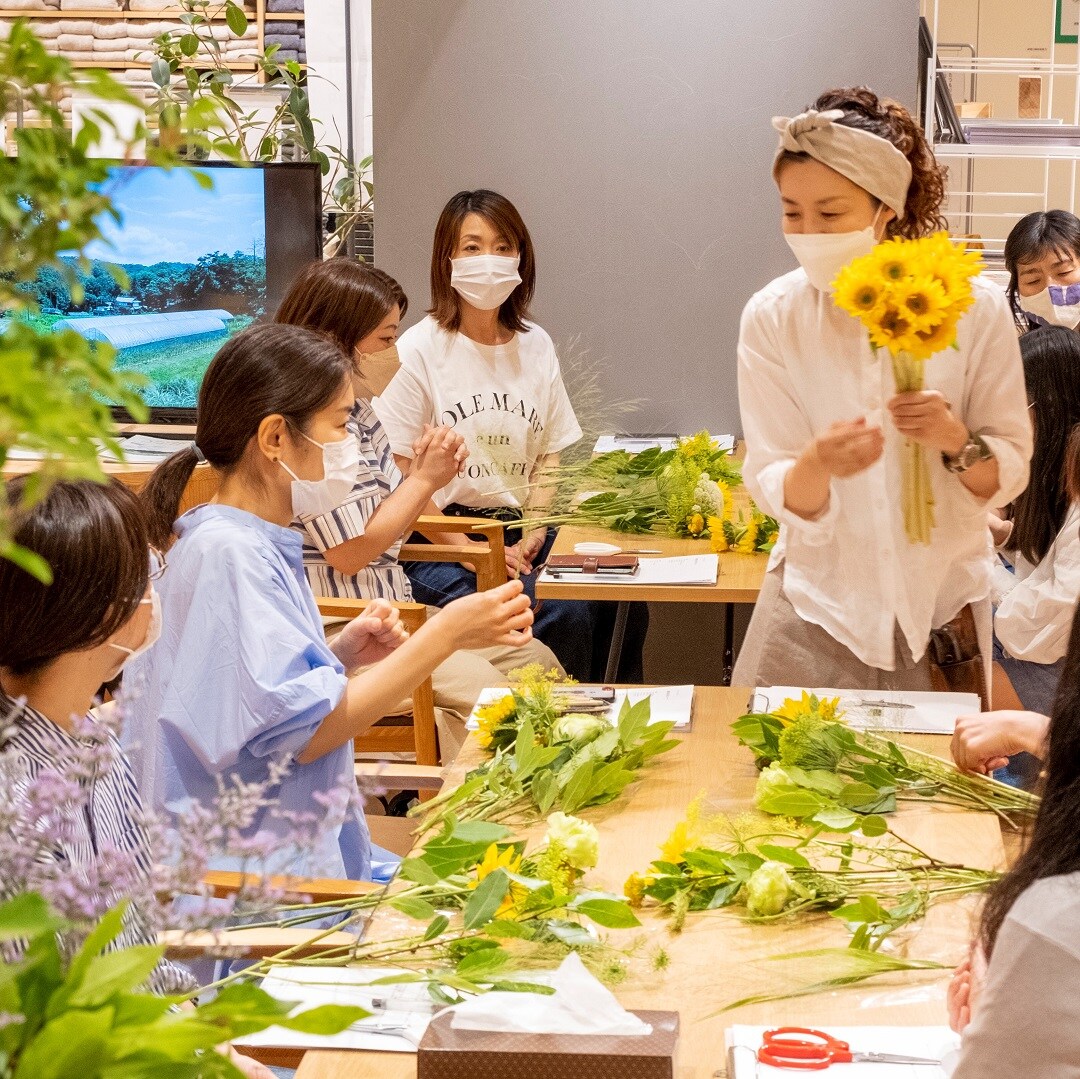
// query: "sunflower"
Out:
[922,299]
[858,292]
[935,339]
[673,849]
[894,331]
[717,540]
[748,540]
[509,860]
[808,705]
[491,716]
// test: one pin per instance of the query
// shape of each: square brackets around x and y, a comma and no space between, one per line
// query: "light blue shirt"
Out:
[242,676]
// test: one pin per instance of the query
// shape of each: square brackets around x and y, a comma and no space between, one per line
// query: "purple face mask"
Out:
[1056,305]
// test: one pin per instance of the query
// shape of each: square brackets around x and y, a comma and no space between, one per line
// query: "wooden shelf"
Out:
[284,16]
[126,65]
[91,13]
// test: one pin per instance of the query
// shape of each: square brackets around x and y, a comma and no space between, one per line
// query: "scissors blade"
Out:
[890,1058]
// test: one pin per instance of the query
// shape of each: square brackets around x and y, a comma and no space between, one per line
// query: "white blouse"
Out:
[805,364]
[1036,604]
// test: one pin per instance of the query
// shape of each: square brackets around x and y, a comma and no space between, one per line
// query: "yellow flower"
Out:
[508,859]
[673,849]
[748,540]
[859,292]
[808,705]
[922,299]
[894,331]
[937,338]
[634,888]
[699,445]
[490,716]
[695,524]
[717,538]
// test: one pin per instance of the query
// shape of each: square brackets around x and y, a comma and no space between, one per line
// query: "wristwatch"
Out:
[971,453]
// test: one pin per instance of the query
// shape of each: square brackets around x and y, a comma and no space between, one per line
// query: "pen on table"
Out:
[886,704]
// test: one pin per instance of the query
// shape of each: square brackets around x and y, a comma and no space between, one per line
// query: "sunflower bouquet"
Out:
[910,296]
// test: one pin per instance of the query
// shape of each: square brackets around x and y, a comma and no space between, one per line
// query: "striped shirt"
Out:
[377,477]
[111,821]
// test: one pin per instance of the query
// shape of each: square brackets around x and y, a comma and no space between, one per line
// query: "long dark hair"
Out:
[1042,233]
[889,120]
[95,539]
[502,215]
[1052,370]
[266,370]
[1054,846]
[342,297]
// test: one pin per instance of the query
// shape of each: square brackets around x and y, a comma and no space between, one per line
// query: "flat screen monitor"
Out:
[201,265]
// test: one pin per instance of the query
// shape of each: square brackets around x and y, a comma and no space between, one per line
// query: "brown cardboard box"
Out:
[446,1053]
[975,110]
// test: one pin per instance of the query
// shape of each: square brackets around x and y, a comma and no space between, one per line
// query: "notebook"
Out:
[882,709]
[690,570]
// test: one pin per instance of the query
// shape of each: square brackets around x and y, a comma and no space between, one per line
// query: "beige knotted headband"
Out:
[865,159]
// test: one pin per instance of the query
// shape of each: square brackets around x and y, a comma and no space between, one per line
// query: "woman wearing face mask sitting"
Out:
[59,643]
[479,365]
[1042,255]
[849,602]
[352,551]
[243,676]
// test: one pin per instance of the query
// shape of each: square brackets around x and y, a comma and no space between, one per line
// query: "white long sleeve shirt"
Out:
[805,364]
[1036,604]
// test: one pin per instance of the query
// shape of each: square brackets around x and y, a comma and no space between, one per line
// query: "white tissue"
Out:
[579,1005]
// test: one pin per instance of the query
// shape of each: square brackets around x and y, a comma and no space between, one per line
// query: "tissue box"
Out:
[446,1053]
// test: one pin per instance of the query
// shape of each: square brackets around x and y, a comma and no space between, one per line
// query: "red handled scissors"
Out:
[814,1050]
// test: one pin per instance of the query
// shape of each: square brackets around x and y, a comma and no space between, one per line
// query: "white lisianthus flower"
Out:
[577,840]
[578,728]
[773,780]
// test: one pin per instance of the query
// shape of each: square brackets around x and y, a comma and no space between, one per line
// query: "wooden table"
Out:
[739,581]
[717,958]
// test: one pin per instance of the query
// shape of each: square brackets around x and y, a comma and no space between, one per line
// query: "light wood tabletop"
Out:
[739,580]
[717,958]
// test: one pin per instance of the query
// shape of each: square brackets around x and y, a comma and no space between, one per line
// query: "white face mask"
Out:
[153,630]
[375,371]
[1056,305]
[485,281]
[824,254]
[313,498]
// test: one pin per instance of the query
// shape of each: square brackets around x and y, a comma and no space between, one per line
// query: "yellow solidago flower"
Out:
[634,888]
[699,445]
[673,849]
[490,716]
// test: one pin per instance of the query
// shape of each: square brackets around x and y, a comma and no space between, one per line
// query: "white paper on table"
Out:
[632,444]
[883,709]
[690,569]
[934,1043]
[406,1005]
[672,704]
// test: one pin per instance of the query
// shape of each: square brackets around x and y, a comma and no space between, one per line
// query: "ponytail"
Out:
[266,370]
[163,493]
[889,120]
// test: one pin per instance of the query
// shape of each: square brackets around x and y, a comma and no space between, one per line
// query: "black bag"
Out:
[956,663]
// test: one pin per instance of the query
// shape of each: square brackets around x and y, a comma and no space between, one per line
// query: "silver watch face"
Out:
[969,455]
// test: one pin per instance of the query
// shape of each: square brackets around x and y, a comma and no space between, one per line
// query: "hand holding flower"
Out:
[926,417]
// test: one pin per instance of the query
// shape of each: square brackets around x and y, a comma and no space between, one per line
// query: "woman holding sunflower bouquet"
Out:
[879,472]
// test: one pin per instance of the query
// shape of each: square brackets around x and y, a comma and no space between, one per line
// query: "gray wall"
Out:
[634,137]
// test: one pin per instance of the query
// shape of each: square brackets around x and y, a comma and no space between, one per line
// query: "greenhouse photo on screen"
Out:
[195,263]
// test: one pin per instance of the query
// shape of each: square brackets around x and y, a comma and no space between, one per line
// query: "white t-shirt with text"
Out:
[508,401]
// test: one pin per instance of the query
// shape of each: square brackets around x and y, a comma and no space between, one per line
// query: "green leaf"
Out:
[823,782]
[189,44]
[27,560]
[577,789]
[161,73]
[236,18]
[797,804]
[417,870]
[856,795]
[787,855]
[438,926]
[873,825]
[610,913]
[25,917]
[837,819]
[99,938]
[325,1019]
[116,972]
[414,907]
[483,961]
[65,1046]
[486,900]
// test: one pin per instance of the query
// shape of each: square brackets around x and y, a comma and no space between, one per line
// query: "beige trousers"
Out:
[781,649]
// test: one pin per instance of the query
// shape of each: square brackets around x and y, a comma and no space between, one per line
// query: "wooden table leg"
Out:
[729,643]
[618,635]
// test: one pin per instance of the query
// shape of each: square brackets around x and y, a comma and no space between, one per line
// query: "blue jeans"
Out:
[1035,685]
[577,631]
